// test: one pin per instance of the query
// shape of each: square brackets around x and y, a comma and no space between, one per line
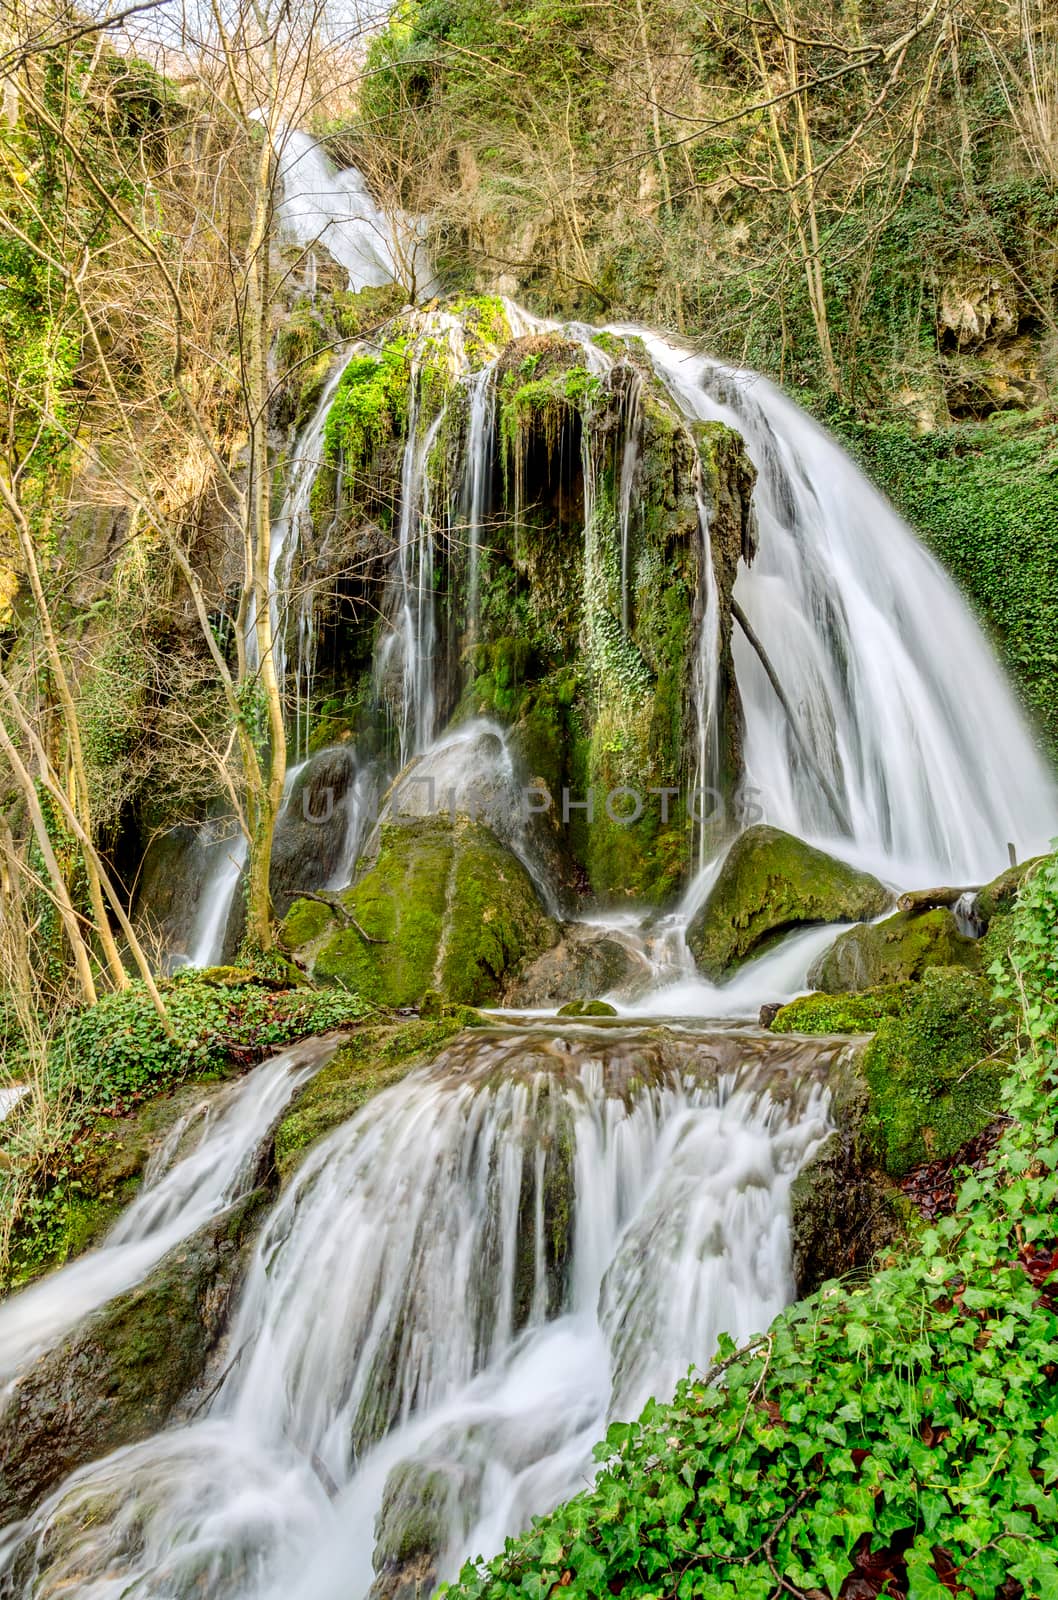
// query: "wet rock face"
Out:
[444,906]
[121,1375]
[586,962]
[770,883]
[311,831]
[897,950]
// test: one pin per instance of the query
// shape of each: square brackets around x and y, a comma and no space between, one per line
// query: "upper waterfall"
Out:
[896,740]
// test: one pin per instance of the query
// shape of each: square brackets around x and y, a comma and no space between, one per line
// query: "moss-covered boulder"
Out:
[120,1376]
[419,1517]
[772,882]
[588,1008]
[844,1013]
[897,950]
[998,898]
[933,1072]
[443,907]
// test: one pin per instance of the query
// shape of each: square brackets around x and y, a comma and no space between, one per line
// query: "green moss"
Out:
[894,951]
[932,1071]
[769,883]
[305,921]
[826,1013]
[587,1008]
[485,323]
[370,404]
[372,1059]
[452,910]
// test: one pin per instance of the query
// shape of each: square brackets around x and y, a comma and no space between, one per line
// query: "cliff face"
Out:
[579,542]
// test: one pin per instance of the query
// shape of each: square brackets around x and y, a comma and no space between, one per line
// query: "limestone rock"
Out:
[587,961]
[444,907]
[120,1375]
[897,950]
[770,883]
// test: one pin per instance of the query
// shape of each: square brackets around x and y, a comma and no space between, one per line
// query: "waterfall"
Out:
[335,209]
[175,1200]
[477,477]
[220,881]
[900,697]
[629,461]
[877,653]
[602,1210]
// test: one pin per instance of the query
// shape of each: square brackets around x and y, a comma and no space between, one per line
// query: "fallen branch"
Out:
[931,899]
[335,906]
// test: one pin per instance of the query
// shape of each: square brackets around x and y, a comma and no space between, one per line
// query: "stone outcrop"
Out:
[771,883]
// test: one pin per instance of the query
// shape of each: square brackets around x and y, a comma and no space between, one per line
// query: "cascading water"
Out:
[901,699]
[606,1206]
[173,1202]
[465,1281]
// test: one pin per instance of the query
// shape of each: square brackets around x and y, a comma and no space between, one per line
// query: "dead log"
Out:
[919,900]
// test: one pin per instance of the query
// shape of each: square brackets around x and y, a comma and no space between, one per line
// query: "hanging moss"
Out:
[370,404]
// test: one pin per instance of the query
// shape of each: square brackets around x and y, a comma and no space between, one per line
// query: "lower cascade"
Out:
[457,1292]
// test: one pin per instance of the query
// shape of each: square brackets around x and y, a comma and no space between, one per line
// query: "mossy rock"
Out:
[372,1058]
[933,1073]
[451,909]
[842,1214]
[103,1169]
[999,897]
[588,1008]
[770,883]
[120,1375]
[898,950]
[845,1013]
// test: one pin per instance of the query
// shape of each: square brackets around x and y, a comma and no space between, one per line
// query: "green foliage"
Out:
[914,1416]
[117,1050]
[985,499]
[370,404]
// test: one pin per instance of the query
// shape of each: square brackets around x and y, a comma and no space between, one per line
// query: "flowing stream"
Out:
[458,1290]
[464,1282]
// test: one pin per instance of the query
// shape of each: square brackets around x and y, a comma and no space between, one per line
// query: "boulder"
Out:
[443,907]
[843,1214]
[770,883]
[311,830]
[897,950]
[120,1376]
[934,1073]
[588,1008]
[587,961]
[419,1518]
[832,1014]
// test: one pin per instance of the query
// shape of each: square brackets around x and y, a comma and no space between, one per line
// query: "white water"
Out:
[170,1208]
[222,877]
[409,1225]
[321,206]
[901,698]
